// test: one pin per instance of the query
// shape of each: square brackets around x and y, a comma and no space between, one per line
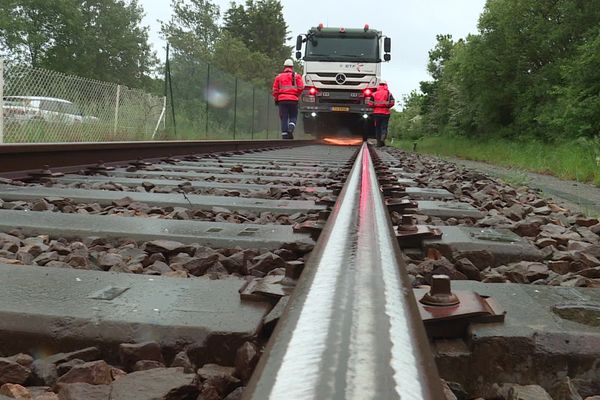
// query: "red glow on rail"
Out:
[343,141]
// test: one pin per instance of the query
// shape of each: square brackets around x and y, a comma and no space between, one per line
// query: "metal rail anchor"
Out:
[45,174]
[448,314]
[98,169]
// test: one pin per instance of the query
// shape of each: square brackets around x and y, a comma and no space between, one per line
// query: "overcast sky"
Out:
[412,25]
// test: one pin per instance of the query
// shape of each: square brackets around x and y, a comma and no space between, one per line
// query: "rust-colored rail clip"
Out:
[448,314]
[313,228]
[409,235]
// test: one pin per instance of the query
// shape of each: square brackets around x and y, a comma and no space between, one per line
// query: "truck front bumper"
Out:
[338,108]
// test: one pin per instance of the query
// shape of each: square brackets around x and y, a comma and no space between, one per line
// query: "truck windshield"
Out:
[342,49]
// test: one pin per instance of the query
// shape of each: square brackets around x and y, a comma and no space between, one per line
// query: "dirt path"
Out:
[576,195]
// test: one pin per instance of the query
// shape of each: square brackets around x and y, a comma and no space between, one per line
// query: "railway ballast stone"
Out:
[246,358]
[84,391]
[43,373]
[569,242]
[528,392]
[16,391]
[565,390]
[23,359]
[264,263]
[208,392]
[220,377]
[85,354]
[183,360]
[131,353]
[12,372]
[46,396]
[158,383]
[237,394]
[448,393]
[144,365]
[93,372]
[65,367]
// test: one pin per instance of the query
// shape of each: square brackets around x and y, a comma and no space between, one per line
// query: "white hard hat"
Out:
[382,82]
[288,63]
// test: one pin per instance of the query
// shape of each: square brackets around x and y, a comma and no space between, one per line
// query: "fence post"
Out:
[268,105]
[235,108]
[117,110]
[162,114]
[253,94]
[1,100]
[207,96]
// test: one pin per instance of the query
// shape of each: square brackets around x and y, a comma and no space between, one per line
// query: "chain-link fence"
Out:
[202,103]
[208,103]
[46,106]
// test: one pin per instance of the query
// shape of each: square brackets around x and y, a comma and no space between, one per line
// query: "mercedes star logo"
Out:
[340,79]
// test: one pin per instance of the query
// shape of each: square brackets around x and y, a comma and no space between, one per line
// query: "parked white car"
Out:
[19,109]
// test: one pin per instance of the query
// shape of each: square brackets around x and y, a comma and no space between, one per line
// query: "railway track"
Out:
[257,270]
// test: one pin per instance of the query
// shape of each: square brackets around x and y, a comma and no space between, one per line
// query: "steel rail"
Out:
[351,329]
[16,160]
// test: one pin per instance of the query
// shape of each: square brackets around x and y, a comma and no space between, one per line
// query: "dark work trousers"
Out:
[288,113]
[381,126]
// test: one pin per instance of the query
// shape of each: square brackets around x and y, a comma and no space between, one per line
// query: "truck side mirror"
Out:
[387,57]
[387,45]
[299,42]
[298,55]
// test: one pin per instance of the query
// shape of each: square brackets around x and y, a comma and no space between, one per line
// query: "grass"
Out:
[578,161]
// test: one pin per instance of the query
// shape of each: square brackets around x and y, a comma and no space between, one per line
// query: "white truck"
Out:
[342,68]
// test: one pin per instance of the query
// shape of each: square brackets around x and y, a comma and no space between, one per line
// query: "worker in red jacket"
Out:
[381,102]
[287,88]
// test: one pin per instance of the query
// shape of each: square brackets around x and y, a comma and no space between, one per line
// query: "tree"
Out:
[193,29]
[260,25]
[409,122]
[233,56]
[30,28]
[99,39]
[576,111]
[435,101]
[528,73]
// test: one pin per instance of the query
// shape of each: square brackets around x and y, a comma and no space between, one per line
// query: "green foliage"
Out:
[409,122]
[577,160]
[98,39]
[230,67]
[531,72]
[249,45]
[261,27]
[577,111]
[193,29]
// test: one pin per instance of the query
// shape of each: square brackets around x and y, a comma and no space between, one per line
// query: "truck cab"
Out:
[342,69]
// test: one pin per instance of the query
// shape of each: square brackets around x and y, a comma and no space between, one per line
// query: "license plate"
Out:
[340,109]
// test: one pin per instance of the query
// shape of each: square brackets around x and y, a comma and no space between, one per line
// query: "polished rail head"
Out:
[352,328]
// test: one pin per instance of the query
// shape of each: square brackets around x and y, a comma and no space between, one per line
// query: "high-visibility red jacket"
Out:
[284,89]
[381,101]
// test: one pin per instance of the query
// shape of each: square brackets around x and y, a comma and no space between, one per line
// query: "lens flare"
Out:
[217,98]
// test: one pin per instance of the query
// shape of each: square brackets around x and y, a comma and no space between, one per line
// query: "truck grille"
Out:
[333,74]
[347,83]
